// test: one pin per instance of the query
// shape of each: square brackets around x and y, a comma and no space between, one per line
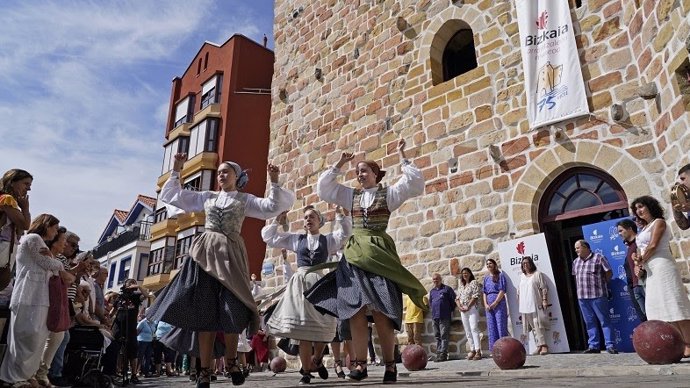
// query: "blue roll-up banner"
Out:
[603,238]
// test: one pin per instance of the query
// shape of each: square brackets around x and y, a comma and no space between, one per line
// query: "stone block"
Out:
[442,239]
[469,234]
[430,228]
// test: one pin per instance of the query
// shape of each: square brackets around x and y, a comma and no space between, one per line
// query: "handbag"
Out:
[58,312]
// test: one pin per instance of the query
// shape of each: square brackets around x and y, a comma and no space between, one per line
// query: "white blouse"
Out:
[178,200]
[410,185]
[290,241]
[33,272]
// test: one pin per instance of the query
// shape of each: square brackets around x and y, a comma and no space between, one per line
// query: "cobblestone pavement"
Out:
[577,370]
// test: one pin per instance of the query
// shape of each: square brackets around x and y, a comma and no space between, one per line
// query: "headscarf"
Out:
[322,221]
[242,176]
[376,169]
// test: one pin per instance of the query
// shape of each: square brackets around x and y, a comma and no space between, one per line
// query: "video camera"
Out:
[129,297]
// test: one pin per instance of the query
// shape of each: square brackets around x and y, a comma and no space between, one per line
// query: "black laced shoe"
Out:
[359,375]
[321,369]
[236,374]
[390,376]
[203,379]
[306,377]
[339,369]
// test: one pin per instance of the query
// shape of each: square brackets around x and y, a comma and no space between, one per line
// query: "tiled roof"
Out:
[121,215]
[148,201]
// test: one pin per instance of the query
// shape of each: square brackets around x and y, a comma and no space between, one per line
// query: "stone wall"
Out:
[377,61]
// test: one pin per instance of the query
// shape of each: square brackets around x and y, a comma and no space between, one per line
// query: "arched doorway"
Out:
[579,196]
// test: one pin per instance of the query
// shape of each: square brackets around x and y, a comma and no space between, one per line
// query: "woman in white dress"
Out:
[294,317]
[29,304]
[667,300]
[533,301]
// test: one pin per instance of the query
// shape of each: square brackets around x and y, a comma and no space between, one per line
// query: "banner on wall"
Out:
[603,238]
[551,63]
[511,254]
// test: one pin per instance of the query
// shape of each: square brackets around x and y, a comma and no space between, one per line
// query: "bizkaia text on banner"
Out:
[550,61]
[511,254]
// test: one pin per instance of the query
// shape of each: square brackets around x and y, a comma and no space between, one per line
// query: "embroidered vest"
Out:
[376,216]
[227,220]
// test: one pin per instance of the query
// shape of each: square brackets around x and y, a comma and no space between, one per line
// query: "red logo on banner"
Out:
[521,247]
[541,21]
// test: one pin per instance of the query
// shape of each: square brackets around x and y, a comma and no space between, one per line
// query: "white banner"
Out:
[511,254]
[553,78]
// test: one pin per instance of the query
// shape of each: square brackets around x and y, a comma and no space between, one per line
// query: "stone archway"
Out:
[530,187]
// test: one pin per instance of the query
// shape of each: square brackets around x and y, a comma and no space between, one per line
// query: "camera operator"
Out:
[125,325]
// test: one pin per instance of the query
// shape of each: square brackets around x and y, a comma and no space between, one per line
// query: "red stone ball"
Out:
[509,353]
[278,364]
[658,342]
[414,357]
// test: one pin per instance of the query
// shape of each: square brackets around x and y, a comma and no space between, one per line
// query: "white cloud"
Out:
[84,91]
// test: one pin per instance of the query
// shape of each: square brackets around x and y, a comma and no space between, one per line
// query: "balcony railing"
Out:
[140,231]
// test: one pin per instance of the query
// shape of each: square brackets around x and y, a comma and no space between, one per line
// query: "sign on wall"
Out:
[603,238]
[511,254]
[550,61]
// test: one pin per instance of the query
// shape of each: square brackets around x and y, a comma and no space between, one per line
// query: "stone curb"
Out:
[529,371]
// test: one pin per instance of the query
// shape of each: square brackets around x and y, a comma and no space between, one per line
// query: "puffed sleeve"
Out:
[278,201]
[178,200]
[410,185]
[8,200]
[329,190]
[276,239]
[30,249]
[338,237]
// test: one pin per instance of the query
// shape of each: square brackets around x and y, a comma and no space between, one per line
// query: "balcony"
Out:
[167,227]
[136,232]
[210,110]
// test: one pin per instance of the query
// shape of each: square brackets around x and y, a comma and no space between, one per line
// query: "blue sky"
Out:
[84,92]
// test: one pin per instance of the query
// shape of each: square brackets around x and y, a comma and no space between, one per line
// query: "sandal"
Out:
[204,378]
[544,350]
[390,376]
[236,374]
[359,374]
[471,354]
[477,356]
[339,369]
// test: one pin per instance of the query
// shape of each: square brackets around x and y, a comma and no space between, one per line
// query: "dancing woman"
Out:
[369,278]
[293,317]
[212,292]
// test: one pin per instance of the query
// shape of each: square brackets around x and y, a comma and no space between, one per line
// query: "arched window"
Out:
[459,56]
[452,51]
[581,191]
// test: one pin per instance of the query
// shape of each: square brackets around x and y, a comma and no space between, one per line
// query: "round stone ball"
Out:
[414,357]
[658,342]
[278,364]
[509,353]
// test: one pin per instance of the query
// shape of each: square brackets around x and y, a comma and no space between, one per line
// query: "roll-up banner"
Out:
[511,254]
[551,64]
[603,238]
